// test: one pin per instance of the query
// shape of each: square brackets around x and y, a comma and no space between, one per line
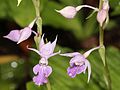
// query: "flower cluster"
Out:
[78,63]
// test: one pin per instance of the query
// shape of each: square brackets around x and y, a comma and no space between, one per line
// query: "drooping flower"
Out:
[103,13]
[70,11]
[42,71]
[46,50]
[79,63]
[21,35]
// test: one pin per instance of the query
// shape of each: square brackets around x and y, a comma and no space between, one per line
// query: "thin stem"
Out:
[101,36]
[48,85]
[38,22]
[103,53]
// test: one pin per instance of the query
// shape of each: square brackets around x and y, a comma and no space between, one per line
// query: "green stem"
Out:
[38,22]
[48,85]
[39,29]
[103,54]
[106,70]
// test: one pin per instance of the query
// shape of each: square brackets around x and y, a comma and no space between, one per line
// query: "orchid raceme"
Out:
[79,63]
[70,11]
[103,13]
[46,50]
[21,35]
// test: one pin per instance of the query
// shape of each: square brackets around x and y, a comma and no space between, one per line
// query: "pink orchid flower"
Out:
[70,11]
[79,63]
[21,35]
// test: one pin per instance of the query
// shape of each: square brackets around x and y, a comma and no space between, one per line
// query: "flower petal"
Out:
[86,54]
[53,44]
[41,42]
[81,69]
[14,35]
[89,70]
[77,60]
[70,54]
[72,71]
[25,34]
[47,71]
[68,12]
[35,50]
[46,50]
[54,54]
[36,68]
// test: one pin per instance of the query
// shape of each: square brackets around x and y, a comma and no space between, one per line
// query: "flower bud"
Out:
[68,12]
[101,16]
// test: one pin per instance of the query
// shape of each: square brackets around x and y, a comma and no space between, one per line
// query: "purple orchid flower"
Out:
[79,63]
[21,35]
[46,50]
[42,71]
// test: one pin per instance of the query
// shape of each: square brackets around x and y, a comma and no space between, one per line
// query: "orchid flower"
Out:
[103,13]
[21,35]
[70,11]
[42,70]
[79,63]
[46,50]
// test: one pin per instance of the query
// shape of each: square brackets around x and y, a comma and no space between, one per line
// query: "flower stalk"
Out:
[103,54]
[37,38]
[38,22]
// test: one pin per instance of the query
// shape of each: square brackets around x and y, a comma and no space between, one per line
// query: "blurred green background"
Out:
[78,34]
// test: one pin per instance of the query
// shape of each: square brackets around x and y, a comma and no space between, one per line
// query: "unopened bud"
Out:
[68,12]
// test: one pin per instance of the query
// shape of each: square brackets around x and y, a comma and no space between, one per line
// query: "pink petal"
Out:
[25,34]
[36,69]
[14,35]
[46,50]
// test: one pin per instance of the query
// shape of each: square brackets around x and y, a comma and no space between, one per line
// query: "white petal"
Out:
[35,50]
[86,54]
[54,54]
[89,70]
[41,42]
[70,54]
